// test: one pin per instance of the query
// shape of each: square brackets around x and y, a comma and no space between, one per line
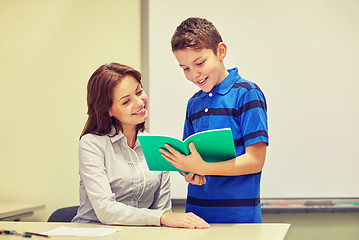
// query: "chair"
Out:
[65,214]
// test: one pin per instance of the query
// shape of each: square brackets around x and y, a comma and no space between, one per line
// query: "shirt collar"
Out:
[121,136]
[116,137]
[228,82]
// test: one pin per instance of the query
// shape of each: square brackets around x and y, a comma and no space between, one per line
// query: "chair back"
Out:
[65,214]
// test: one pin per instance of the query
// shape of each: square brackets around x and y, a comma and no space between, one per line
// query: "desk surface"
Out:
[275,231]
[14,211]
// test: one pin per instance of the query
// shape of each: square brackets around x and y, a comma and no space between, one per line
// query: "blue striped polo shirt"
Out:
[240,105]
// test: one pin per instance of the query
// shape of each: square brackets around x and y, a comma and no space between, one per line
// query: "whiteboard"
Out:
[304,55]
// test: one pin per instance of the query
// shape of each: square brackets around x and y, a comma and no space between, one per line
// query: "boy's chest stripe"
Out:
[251,202]
[227,111]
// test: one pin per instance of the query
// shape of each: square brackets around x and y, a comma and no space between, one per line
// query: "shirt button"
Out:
[210,94]
[206,110]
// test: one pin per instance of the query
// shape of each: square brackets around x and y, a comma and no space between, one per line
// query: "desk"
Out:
[268,231]
[10,211]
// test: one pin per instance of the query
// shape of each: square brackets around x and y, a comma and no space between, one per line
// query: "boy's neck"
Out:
[224,74]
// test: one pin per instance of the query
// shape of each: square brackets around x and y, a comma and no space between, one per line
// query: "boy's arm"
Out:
[250,162]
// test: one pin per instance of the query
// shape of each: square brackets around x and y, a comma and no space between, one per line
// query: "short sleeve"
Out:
[254,117]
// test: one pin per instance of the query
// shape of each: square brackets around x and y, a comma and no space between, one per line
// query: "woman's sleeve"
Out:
[93,174]
[163,194]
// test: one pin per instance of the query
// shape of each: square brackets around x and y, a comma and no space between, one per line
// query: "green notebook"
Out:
[213,146]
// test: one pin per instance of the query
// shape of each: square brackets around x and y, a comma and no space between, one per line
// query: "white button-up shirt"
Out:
[116,186]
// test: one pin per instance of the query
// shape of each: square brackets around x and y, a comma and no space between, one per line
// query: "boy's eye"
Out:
[185,69]
[199,64]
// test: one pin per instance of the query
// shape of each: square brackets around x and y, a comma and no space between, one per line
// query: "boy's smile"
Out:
[203,67]
[202,81]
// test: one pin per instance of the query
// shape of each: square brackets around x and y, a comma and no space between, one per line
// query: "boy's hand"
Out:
[190,163]
[194,179]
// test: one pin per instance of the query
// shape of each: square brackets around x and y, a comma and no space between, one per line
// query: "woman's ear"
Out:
[110,114]
[221,50]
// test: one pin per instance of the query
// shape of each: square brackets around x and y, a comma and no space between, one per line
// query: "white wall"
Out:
[305,57]
[48,51]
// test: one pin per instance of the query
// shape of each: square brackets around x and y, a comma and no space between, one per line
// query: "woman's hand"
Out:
[183,220]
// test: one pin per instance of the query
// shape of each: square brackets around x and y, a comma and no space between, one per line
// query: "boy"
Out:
[230,192]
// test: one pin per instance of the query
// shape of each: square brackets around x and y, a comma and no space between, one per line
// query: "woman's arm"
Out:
[162,199]
[96,182]
[109,211]
[171,219]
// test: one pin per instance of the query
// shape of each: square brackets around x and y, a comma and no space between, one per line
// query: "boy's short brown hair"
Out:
[196,33]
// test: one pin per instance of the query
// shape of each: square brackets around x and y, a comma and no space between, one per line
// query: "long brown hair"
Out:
[99,98]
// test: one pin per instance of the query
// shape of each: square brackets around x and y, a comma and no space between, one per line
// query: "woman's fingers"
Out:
[199,222]
[183,220]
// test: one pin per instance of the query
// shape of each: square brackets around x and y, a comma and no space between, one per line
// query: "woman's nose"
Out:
[139,100]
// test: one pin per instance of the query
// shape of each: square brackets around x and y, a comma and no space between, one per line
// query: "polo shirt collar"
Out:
[228,82]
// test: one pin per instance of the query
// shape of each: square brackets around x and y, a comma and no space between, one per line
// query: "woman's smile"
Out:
[141,111]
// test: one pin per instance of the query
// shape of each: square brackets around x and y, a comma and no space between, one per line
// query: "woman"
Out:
[116,186]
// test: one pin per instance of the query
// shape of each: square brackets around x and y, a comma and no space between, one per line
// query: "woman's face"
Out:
[129,103]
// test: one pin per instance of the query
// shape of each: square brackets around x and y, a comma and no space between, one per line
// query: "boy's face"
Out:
[203,67]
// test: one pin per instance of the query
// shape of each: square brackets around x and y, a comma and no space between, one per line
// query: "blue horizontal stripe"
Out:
[249,136]
[245,85]
[251,202]
[238,142]
[259,133]
[250,105]
[214,112]
[256,86]
[228,111]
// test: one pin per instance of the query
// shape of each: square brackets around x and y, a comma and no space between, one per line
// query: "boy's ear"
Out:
[222,50]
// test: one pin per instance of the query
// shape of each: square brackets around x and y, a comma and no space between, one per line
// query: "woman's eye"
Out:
[140,92]
[127,101]
[199,64]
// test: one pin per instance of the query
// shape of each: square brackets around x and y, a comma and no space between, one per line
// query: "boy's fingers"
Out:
[164,152]
[195,180]
[189,176]
[170,159]
[167,155]
[172,150]
[192,148]
[204,180]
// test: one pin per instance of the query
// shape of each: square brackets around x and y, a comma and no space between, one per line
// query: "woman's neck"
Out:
[131,136]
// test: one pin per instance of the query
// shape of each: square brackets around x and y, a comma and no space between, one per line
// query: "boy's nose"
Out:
[196,75]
